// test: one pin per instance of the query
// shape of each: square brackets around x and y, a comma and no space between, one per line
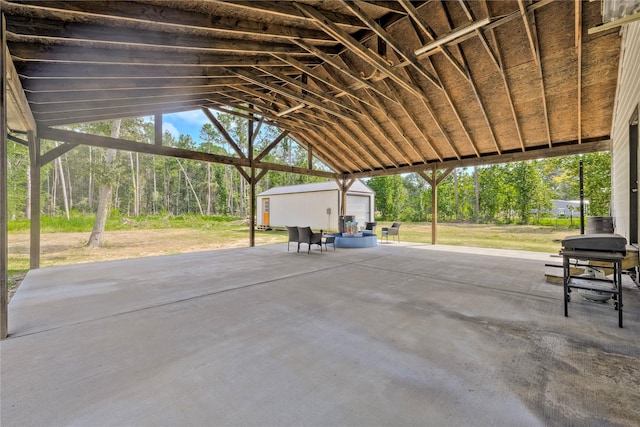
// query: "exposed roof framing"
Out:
[369,87]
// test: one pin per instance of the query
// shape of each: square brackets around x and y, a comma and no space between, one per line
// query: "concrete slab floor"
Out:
[399,334]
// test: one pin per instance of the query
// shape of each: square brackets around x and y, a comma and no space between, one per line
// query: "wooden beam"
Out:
[21,29]
[317,76]
[15,93]
[528,18]
[271,146]
[414,121]
[4,203]
[422,24]
[76,89]
[358,48]
[17,140]
[299,97]
[348,71]
[35,169]
[530,154]
[307,89]
[82,116]
[470,79]
[160,19]
[342,132]
[224,133]
[60,97]
[405,156]
[398,47]
[434,205]
[328,159]
[578,44]
[499,63]
[52,154]
[157,129]
[139,147]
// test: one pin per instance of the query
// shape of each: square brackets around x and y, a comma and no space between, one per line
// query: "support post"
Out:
[157,129]
[434,204]
[581,198]
[252,188]
[4,164]
[35,171]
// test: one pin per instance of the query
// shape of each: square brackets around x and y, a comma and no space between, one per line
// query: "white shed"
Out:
[316,205]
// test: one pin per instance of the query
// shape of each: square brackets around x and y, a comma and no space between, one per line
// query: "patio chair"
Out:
[293,236]
[394,230]
[306,235]
[370,226]
[329,240]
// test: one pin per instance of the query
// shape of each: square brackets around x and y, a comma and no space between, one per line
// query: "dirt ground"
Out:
[69,248]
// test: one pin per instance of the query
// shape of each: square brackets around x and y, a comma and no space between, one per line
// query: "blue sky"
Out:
[187,123]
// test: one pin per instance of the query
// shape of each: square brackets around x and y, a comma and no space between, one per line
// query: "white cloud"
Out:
[166,126]
[195,117]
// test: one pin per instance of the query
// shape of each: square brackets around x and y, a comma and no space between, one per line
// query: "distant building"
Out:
[568,208]
[317,205]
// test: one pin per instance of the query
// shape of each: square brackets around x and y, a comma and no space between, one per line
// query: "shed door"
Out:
[266,205]
[359,206]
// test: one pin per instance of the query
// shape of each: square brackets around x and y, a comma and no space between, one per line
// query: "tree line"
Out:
[143,184]
[147,185]
[504,193]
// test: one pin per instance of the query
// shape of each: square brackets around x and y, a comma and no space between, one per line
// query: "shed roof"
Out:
[371,87]
[357,187]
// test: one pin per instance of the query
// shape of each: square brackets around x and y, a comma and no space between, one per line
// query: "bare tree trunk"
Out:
[90,178]
[104,203]
[69,184]
[54,191]
[188,181]
[208,188]
[27,207]
[476,207]
[455,190]
[155,189]
[63,186]
[134,181]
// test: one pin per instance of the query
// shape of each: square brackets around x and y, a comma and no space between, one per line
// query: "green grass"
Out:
[84,223]
[65,239]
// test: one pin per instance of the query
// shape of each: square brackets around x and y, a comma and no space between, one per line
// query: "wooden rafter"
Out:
[360,82]
[317,76]
[345,134]
[416,123]
[529,20]
[224,133]
[164,19]
[470,79]
[578,44]
[271,146]
[384,35]
[424,27]
[299,97]
[358,48]
[498,62]
[400,132]
[308,90]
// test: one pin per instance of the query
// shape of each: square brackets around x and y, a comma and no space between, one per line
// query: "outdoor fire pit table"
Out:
[356,240]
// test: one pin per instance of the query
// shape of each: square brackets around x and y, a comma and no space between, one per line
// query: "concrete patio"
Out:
[398,334]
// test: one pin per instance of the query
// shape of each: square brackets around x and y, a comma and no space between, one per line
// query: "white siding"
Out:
[359,206]
[303,209]
[627,99]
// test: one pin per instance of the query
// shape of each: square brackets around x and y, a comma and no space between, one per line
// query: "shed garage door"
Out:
[359,206]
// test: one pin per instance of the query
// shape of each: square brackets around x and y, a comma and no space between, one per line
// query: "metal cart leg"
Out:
[566,278]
